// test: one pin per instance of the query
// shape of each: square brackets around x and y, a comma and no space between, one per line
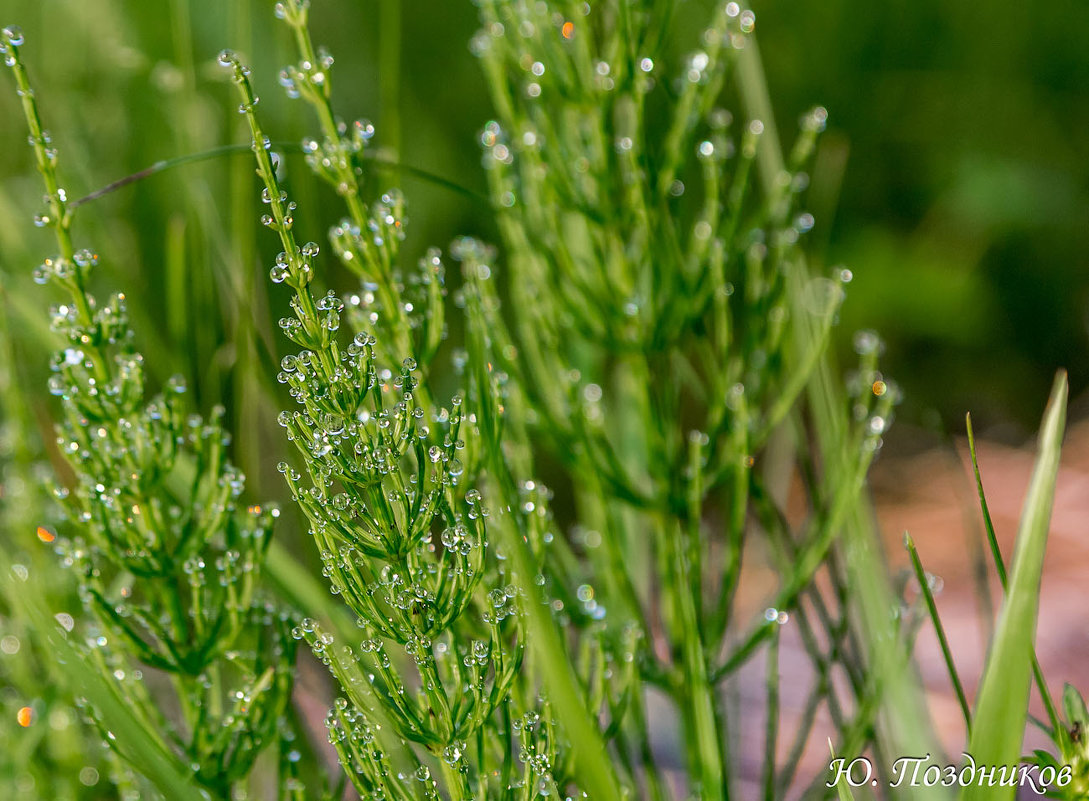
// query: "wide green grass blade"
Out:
[1002,704]
[1003,578]
[142,747]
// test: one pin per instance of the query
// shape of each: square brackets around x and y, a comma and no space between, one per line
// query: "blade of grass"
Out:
[282,147]
[932,609]
[843,790]
[992,540]
[142,746]
[1000,569]
[1002,705]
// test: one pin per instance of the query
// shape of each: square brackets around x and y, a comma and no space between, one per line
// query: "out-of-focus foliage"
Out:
[964,208]
[952,166]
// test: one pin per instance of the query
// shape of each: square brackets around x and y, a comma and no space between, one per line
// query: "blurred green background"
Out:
[964,210]
[953,180]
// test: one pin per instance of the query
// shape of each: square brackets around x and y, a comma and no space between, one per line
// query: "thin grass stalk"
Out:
[923,581]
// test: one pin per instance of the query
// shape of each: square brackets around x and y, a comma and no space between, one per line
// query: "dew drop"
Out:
[867,342]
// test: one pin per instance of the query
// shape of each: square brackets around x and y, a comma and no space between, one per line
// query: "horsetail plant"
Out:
[389,473]
[165,557]
[646,331]
[417,318]
[644,313]
[620,282]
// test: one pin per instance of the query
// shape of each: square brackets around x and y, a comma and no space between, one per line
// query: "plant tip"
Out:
[13,35]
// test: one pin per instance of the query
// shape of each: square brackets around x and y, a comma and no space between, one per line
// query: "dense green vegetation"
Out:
[526,472]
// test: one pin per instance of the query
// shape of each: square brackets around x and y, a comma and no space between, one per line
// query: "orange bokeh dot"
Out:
[24,716]
[45,535]
[568,30]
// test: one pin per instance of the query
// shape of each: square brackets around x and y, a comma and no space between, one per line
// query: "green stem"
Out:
[698,688]
[347,183]
[592,763]
[771,727]
[59,215]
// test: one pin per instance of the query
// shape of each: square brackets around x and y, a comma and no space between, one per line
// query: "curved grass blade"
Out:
[285,147]
[1002,705]
[932,609]
[1000,569]
[843,790]
[992,540]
